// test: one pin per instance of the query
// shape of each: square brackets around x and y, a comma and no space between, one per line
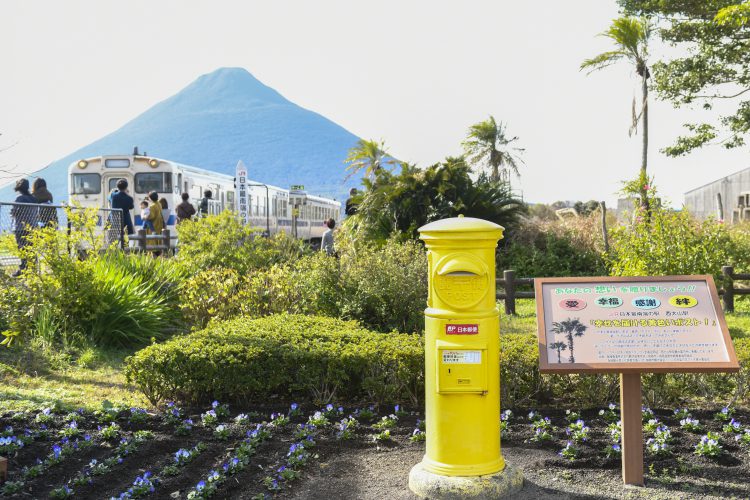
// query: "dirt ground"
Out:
[360,468]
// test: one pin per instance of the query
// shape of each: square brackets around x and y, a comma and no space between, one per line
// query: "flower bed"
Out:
[267,451]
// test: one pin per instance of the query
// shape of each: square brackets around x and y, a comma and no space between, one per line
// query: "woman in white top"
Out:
[164,211]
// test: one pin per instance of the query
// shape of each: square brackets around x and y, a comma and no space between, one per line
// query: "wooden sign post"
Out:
[3,470]
[632,325]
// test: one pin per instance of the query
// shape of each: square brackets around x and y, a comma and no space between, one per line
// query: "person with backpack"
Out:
[205,202]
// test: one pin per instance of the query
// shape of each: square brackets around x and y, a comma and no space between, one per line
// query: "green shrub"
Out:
[541,248]
[523,385]
[384,288]
[245,359]
[672,243]
[77,291]
[130,309]
[221,241]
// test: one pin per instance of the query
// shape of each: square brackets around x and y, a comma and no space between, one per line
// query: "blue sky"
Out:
[416,74]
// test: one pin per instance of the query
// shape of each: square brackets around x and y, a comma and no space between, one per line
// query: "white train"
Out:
[271,209]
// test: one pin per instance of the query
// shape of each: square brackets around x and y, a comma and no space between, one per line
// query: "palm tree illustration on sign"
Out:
[570,328]
[558,346]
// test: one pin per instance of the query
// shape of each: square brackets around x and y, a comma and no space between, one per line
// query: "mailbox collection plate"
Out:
[461,368]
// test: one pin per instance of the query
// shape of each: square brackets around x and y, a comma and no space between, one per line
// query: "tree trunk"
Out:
[570,346]
[644,153]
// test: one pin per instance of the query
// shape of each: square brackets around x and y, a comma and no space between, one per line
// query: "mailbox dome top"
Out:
[462,224]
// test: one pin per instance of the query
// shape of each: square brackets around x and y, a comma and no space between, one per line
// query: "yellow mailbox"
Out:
[462,372]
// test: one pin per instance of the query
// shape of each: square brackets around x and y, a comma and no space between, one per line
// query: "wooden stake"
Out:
[632,429]
[3,470]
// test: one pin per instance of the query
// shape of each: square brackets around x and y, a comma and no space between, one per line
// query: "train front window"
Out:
[87,184]
[160,182]
[117,163]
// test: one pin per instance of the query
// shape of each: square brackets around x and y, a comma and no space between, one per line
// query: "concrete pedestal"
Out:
[502,484]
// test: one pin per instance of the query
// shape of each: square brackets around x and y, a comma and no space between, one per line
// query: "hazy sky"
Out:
[415,73]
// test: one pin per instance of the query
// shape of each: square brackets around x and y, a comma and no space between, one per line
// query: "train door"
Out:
[109,184]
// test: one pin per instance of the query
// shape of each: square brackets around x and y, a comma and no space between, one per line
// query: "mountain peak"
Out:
[222,117]
[225,87]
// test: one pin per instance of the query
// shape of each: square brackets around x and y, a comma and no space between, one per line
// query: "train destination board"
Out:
[626,324]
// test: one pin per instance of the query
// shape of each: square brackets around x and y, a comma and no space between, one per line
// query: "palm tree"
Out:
[487,144]
[559,346]
[630,36]
[570,328]
[369,156]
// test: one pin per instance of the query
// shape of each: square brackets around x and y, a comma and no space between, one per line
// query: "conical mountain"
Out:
[220,118]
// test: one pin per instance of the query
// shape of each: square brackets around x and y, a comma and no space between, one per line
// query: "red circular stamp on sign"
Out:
[573,304]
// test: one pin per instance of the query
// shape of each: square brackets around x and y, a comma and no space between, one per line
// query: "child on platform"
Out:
[147,224]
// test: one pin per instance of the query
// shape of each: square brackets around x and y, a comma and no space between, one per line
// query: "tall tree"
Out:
[713,66]
[630,36]
[369,156]
[401,203]
[488,145]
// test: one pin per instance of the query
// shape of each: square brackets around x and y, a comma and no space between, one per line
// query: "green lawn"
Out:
[66,384]
[102,379]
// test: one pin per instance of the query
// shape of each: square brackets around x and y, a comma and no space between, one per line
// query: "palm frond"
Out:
[603,60]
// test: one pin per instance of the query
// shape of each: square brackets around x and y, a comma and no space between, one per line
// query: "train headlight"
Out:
[82,163]
[153,163]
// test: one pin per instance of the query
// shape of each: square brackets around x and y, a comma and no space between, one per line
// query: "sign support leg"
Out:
[632,429]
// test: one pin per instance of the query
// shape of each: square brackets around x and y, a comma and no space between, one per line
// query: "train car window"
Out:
[117,163]
[145,182]
[87,184]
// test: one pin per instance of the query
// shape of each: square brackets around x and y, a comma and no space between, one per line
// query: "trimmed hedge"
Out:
[523,385]
[324,358]
[290,355]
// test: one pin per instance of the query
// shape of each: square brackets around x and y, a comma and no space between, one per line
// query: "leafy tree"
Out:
[401,203]
[487,144]
[586,208]
[369,156]
[630,36]
[715,36]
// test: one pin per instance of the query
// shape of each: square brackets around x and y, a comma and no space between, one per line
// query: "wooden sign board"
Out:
[632,325]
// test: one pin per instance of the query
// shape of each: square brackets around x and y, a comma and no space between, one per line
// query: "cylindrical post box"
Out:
[462,368]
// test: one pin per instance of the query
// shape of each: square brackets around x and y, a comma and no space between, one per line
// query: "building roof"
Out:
[717,180]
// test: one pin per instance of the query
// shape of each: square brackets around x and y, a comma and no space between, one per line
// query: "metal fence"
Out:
[19,220]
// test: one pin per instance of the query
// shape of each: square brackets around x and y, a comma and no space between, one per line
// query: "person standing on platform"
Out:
[326,244]
[184,210]
[24,217]
[122,200]
[47,215]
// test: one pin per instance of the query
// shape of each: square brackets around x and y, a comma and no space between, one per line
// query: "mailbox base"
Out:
[503,484]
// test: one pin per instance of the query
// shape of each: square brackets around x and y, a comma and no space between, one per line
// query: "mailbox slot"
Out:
[461,368]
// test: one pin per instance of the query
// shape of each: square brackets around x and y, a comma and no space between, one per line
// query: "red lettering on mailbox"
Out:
[461,329]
